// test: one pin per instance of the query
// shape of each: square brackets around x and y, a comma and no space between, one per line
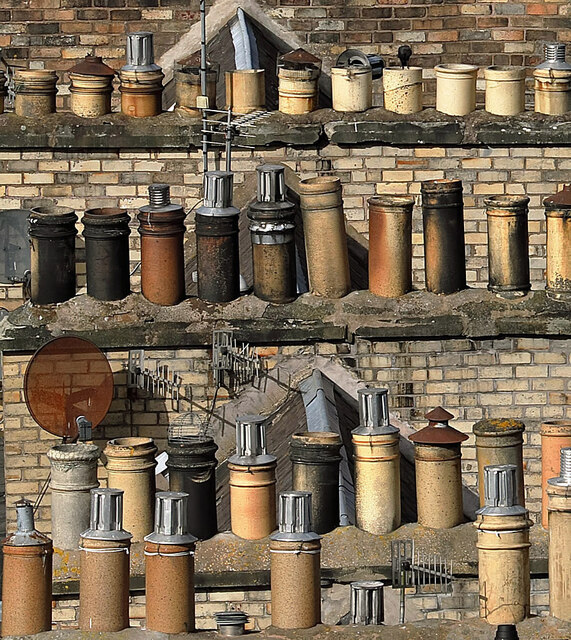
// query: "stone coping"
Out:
[175,130]
[135,322]
[471,629]
[226,561]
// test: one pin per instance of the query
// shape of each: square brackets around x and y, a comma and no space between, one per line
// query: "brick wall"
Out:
[57,33]
[461,604]
[121,178]
[525,378]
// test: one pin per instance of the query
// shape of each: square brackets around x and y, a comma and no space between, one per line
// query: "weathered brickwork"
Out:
[57,33]
[121,178]
[525,378]
[462,603]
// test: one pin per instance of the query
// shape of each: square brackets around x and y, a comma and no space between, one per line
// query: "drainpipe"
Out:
[104,565]
[503,549]
[27,577]
[438,470]
[295,566]
[559,495]
[252,481]
[73,475]
[169,567]
[377,465]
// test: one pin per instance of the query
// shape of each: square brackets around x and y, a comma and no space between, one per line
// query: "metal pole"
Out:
[203,82]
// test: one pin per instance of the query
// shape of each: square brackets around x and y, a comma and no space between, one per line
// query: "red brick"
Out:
[542,9]
[443,36]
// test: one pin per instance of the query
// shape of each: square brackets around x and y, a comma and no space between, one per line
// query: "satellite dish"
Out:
[14,245]
[68,378]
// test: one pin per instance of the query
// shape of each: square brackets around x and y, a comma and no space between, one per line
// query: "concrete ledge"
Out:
[174,130]
[226,561]
[134,322]
[472,629]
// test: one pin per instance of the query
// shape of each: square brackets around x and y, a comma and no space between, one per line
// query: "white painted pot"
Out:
[552,91]
[352,88]
[505,90]
[402,89]
[456,88]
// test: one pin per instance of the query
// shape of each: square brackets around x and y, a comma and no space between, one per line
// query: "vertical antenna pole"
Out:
[203,82]
[229,135]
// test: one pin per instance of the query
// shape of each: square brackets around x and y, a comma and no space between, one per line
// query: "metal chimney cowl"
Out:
[26,534]
[367,602]
[374,413]
[500,491]
[294,523]
[140,52]
[251,446]
[218,192]
[554,53]
[106,521]
[171,521]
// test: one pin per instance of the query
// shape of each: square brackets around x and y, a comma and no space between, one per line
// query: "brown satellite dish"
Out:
[68,378]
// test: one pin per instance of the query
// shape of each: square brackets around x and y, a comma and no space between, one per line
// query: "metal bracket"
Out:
[232,359]
[425,572]
[83,428]
[161,382]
